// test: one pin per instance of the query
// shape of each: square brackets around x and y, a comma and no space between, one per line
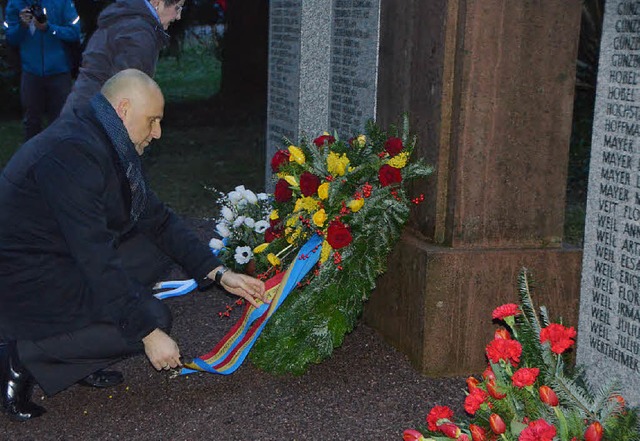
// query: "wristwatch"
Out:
[218,275]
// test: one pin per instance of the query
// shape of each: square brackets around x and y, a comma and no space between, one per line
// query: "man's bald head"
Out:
[139,103]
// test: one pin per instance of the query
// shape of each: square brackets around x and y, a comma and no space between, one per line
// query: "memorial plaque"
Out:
[354,65]
[609,326]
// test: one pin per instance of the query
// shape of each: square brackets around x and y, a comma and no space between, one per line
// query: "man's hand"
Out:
[161,350]
[247,287]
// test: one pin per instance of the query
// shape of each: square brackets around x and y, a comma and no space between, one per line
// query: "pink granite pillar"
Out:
[489,88]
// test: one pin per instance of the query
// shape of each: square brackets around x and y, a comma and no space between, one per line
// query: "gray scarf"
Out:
[127,154]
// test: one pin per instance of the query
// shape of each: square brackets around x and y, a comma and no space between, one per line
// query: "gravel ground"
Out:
[366,391]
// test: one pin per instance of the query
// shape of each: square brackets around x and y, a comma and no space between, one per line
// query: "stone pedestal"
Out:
[489,88]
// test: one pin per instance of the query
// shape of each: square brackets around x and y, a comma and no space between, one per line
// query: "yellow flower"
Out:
[274,215]
[323,191]
[356,204]
[306,203]
[260,248]
[399,161]
[273,259]
[325,252]
[291,180]
[291,221]
[362,140]
[291,238]
[296,155]
[320,217]
[337,164]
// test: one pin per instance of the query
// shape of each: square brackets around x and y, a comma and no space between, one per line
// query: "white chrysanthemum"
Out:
[249,222]
[227,213]
[235,197]
[238,222]
[262,196]
[223,229]
[216,244]
[261,226]
[243,255]
[250,197]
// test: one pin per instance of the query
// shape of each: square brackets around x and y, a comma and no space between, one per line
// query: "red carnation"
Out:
[320,140]
[338,235]
[393,146]
[438,413]
[508,310]
[309,184]
[474,400]
[525,377]
[389,175]
[283,192]
[560,337]
[538,430]
[279,158]
[501,349]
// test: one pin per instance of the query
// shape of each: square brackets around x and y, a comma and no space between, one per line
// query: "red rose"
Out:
[338,235]
[309,184]
[501,349]
[320,140]
[389,175]
[283,192]
[474,400]
[525,377]
[508,310]
[393,146]
[560,337]
[280,157]
[538,430]
[438,413]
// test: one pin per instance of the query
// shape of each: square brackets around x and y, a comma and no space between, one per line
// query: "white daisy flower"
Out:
[261,226]
[243,255]
[227,213]
[216,244]
[223,229]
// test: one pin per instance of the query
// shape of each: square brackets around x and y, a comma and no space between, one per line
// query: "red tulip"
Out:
[488,374]
[450,430]
[502,333]
[494,390]
[593,432]
[412,435]
[464,437]
[497,424]
[472,383]
[548,396]
[477,433]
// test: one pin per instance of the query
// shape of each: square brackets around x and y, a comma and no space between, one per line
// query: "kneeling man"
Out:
[82,241]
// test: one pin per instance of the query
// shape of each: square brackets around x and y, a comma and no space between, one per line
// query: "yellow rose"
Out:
[296,155]
[320,217]
[260,248]
[291,180]
[323,191]
[356,204]
[399,161]
[273,259]
[337,164]
[325,252]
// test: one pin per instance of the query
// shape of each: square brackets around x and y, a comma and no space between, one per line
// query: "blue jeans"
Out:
[42,96]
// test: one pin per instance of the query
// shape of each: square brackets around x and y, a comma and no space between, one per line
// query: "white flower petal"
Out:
[262,196]
[239,221]
[227,213]
[240,188]
[216,244]
[223,230]
[249,222]
[235,197]
[261,226]
[250,197]
[243,255]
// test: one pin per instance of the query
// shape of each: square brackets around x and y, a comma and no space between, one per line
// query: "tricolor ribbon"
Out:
[231,351]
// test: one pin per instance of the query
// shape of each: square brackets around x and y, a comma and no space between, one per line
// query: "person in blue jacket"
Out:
[40,29]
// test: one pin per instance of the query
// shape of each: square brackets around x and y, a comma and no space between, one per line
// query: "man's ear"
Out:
[155,4]
[123,108]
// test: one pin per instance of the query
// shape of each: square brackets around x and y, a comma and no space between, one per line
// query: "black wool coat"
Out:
[64,208]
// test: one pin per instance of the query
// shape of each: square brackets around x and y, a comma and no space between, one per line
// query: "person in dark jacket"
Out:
[40,28]
[76,265]
[130,34]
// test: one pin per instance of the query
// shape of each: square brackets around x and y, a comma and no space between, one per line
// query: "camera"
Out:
[37,12]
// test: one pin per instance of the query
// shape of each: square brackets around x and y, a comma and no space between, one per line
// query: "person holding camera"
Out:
[41,29]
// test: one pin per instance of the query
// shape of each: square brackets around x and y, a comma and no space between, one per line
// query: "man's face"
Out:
[142,118]
[169,14]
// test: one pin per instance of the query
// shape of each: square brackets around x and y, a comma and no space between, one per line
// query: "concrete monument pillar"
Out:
[489,88]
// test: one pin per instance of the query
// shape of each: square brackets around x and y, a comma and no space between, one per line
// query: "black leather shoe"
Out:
[16,385]
[102,379]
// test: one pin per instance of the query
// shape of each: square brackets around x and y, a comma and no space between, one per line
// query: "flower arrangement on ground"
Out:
[354,195]
[527,393]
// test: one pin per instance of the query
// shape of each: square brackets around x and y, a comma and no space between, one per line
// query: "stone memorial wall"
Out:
[609,326]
